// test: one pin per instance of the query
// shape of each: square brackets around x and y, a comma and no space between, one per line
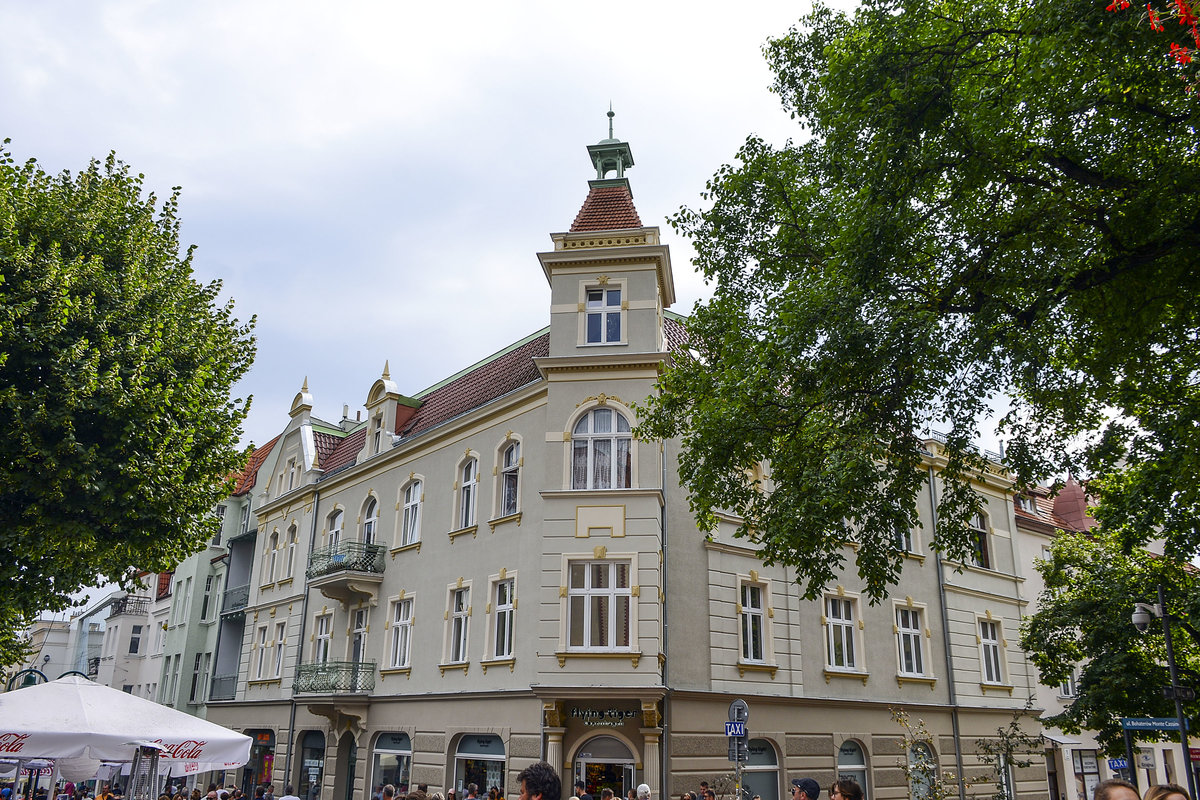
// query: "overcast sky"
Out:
[372,180]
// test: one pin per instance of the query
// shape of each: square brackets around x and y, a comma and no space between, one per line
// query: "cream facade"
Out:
[494,571]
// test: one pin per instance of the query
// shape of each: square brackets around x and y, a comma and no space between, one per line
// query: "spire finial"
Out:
[387,373]
[304,388]
[610,117]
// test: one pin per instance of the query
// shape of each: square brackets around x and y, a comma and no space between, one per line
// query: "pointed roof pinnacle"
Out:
[387,375]
[304,388]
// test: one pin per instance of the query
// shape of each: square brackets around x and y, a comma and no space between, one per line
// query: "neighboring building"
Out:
[49,652]
[494,570]
[1075,763]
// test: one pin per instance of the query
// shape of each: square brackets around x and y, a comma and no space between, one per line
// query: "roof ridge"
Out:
[421,395]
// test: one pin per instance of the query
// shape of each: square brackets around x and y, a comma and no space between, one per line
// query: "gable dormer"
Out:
[610,276]
[387,411]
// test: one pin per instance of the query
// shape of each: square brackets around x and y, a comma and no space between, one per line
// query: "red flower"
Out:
[1155,24]
[1186,17]
[1182,54]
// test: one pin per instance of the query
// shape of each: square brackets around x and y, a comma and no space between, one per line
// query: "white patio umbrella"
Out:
[73,717]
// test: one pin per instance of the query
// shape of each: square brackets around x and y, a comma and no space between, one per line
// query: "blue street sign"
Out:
[735,729]
[1117,763]
[1150,723]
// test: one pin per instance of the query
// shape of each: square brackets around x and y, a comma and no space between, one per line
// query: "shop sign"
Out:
[266,739]
[311,763]
[603,718]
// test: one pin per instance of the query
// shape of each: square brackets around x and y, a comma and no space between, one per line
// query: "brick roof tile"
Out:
[607,208]
[245,480]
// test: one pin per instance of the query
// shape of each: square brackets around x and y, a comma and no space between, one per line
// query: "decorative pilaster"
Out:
[652,759]
[554,751]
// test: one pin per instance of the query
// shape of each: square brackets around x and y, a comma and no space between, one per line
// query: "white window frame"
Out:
[980,531]
[841,633]
[503,612]
[753,616]
[1070,687]
[587,595]
[991,652]
[509,502]
[370,523]
[410,526]
[263,642]
[467,507]
[322,638]
[458,618]
[293,541]
[270,558]
[602,309]
[280,648]
[911,658]
[400,651]
[334,523]
[377,433]
[584,443]
[244,524]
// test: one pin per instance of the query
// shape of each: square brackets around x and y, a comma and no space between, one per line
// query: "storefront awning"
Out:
[1059,739]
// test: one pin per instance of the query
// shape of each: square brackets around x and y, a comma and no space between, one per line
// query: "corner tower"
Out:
[610,276]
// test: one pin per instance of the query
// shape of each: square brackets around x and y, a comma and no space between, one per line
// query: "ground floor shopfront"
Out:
[341,748]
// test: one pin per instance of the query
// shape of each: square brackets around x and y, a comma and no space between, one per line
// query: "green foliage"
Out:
[990,199]
[115,375]
[1012,748]
[1083,621]
[919,763]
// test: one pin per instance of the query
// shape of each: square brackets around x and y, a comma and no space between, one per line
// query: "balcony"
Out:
[349,572]
[224,687]
[235,599]
[335,677]
[129,604]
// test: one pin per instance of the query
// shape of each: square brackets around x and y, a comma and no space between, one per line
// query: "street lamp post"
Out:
[1141,619]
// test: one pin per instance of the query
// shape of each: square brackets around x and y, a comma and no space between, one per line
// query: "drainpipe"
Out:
[664,750]
[312,537]
[953,694]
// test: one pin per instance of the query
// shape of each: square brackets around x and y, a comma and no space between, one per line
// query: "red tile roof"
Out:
[326,444]
[491,379]
[674,333]
[245,481]
[607,208]
[346,451]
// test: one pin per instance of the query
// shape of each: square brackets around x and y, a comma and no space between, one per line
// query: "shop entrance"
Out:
[604,762]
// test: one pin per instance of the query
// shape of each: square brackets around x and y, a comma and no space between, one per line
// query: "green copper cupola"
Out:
[610,155]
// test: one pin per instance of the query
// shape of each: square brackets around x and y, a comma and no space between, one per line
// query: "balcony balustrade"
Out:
[130,604]
[335,677]
[224,687]
[235,599]
[349,572]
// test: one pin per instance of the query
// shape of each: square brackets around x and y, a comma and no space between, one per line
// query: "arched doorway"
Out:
[344,770]
[605,762]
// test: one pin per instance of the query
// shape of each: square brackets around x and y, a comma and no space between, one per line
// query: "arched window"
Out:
[272,556]
[370,521]
[293,539]
[410,532]
[761,775]
[468,491]
[601,451]
[510,473]
[335,529]
[852,765]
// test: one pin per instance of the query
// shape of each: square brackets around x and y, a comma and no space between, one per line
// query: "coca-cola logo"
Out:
[187,750]
[12,742]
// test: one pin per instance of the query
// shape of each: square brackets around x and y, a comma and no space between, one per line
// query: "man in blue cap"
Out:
[805,789]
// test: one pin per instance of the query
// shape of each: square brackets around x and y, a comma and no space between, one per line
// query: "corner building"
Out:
[494,570]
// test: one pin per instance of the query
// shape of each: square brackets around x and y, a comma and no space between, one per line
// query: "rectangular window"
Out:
[280,640]
[979,542]
[509,477]
[206,601]
[260,670]
[244,525]
[1068,687]
[909,642]
[599,603]
[135,639]
[411,531]
[197,690]
[502,633]
[603,315]
[989,639]
[840,632]
[460,610]
[322,638]
[753,618]
[904,540]
[467,492]
[402,620]
[291,551]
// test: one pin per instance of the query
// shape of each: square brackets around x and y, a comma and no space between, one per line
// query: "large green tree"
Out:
[116,368]
[986,200]
[1083,624]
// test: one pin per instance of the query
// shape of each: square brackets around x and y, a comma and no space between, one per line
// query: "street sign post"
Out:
[1116,764]
[1150,723]
[739,741]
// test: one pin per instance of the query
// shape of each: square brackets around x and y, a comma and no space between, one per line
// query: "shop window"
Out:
[312,765]
[922,771]
[479,759]
[760,776]
[852,765]
[392,761]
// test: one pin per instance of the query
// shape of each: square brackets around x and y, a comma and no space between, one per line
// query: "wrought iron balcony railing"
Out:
[235,599]
[130,604]
[352,556]
[224,687]
[333,677]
